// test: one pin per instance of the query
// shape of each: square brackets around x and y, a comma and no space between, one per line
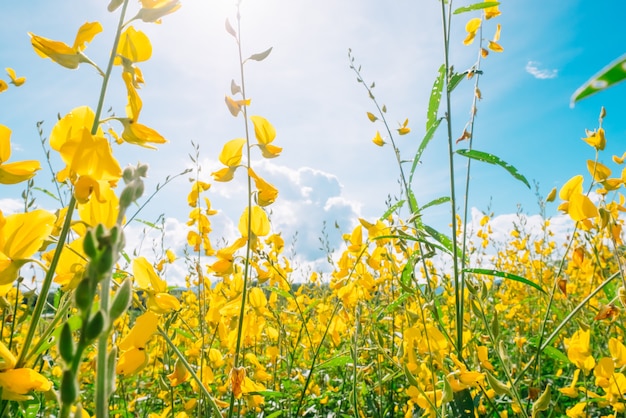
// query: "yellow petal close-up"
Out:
[259,225]
[378,140]
[15,80]
[134,45]
[58,52]
[581,207]
[145,326]
[17,383]
[131,362]
[232,152]
[85,34]
[142,135]
[263,130]
[572,186]
[146,277]
[68,128]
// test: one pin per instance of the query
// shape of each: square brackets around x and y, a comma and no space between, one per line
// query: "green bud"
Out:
[499,387]
[66,343]
[105,261]
[95,326]
[121,300]
[69,388]
[126,198]
[90,245]
[129,174]
[84,293]
[142,170]
[100,231]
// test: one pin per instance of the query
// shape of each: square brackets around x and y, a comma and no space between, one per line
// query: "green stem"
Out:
[458,285]
[45,287]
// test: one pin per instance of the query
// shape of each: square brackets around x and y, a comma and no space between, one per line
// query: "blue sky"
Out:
[329,169]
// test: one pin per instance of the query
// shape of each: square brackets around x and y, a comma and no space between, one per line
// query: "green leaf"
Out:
[275,414]
[261,55]
[435,98]
[335,362]
[393,305]
[281,292]
[423,145]
[435,202]
[443,240]
[609,76]
[455,79]
[406,279]
[492,159]
[504,275]
[476,6]
[392,209]
[550,351]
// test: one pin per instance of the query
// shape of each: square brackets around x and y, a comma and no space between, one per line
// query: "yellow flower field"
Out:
[412,321]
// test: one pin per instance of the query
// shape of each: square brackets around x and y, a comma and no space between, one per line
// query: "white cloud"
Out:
[9,206]
[533,68]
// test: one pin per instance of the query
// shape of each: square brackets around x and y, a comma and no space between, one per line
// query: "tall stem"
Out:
[458,285]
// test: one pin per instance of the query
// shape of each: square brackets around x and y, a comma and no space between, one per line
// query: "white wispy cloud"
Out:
[534,68]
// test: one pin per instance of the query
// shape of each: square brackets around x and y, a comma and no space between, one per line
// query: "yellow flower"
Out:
[471,28]
[259,225]
[571,391]
[134,45]
[491,12]
[90,164]
[138,134]
[493,44]
[21,235]
[378,140]
[17,172]
[179,375]
[15,80]
[579,352]
[232,152]
[577,205]
[159,300]
[265,135]
[3,86]
[235,106]
[134,356]
[154,10]
[266,193]
[61,53]
[596,139]
[15,384]
[404,129]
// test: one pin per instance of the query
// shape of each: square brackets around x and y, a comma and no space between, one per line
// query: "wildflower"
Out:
[159,300]
[266,193]
[404,129]
[15,384]
[235,106]
[265,135]
[491,12]
[134,356]
[15,80]
[596,139]
[493,44]
[579,352]
[153,10]
[577,205]
[3,86]
[571,391]
[21,235]
[63,54]
[259,222]
[471,28]
[13,173]
[378,140]
[90,164]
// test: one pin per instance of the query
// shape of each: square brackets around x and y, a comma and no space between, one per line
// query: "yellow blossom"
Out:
[159,300]
[21,235]
[63,54]
[579,351]
[15,80]
[471,28]
[378,140]
[596,139]
[153,10]
[12,173]
[404,129]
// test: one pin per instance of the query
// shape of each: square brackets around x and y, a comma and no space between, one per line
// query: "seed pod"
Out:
[66,343]
[95,326]
[121,300]
[90,246]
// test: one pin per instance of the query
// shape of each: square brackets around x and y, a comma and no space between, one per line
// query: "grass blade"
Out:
[505,275]
[476,6]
